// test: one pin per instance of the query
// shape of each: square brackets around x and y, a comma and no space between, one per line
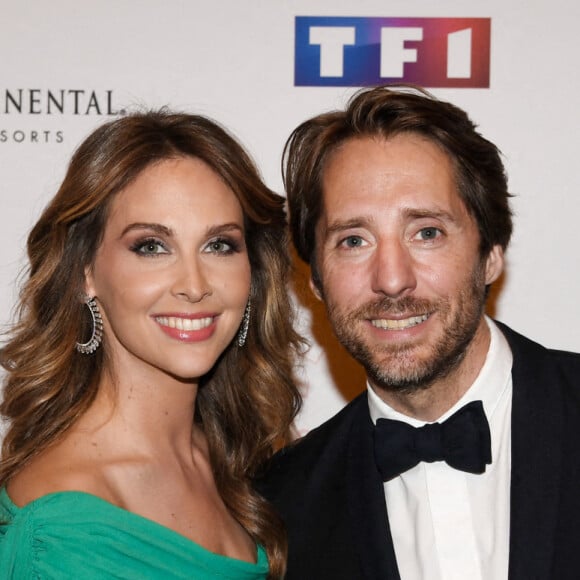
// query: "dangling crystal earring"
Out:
[93,343]
[243,332]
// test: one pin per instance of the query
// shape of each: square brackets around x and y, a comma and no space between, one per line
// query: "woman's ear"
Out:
[89,287]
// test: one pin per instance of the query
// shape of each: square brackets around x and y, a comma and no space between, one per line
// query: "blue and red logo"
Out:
[431,52]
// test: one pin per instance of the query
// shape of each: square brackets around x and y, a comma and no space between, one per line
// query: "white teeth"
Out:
[184,323]
[387,324]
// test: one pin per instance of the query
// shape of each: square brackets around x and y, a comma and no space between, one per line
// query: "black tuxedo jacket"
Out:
[330,495]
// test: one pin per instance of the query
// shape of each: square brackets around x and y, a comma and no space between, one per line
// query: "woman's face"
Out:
[172,274]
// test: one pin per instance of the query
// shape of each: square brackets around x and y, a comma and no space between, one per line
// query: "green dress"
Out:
[78,535]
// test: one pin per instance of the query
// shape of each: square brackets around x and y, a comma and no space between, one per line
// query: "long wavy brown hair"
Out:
[245,405]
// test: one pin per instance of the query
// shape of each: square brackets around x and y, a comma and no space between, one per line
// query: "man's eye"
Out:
[353,242]
[428,234]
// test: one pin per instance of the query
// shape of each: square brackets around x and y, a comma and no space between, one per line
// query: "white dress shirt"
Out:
[448,524]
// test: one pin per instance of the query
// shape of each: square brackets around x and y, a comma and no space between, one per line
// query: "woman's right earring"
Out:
[94,342]
[243,332]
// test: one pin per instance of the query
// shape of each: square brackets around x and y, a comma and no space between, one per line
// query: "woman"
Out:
[149,374]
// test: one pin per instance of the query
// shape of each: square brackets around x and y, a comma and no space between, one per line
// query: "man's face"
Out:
[399,262]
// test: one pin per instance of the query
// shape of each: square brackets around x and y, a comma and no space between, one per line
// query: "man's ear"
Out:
[315,288]
[494,265]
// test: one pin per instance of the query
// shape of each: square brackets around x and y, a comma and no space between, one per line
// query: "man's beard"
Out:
[397,367]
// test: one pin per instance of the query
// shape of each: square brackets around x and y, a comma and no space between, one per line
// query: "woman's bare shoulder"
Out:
[65,466]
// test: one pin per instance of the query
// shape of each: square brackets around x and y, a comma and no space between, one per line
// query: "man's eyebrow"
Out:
[410,213]
[338,226]
[415,213]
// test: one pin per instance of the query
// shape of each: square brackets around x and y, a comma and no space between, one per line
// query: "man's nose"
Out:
[393,269]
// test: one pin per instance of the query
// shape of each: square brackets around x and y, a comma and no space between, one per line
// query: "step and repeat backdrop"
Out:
[260,68]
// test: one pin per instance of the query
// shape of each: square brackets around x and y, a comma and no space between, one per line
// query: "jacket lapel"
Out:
[366,502]
[537,413]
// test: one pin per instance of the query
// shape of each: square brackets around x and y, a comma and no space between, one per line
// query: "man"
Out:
[462,459]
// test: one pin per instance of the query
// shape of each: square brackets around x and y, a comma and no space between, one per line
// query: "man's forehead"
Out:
[410,174]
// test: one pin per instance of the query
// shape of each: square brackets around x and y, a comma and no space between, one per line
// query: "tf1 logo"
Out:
[432,52]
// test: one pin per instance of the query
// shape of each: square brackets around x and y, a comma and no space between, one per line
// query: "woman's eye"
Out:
[428,234]
[221,247]
[149,248]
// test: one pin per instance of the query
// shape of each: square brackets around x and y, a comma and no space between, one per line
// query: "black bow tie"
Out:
[463,441]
